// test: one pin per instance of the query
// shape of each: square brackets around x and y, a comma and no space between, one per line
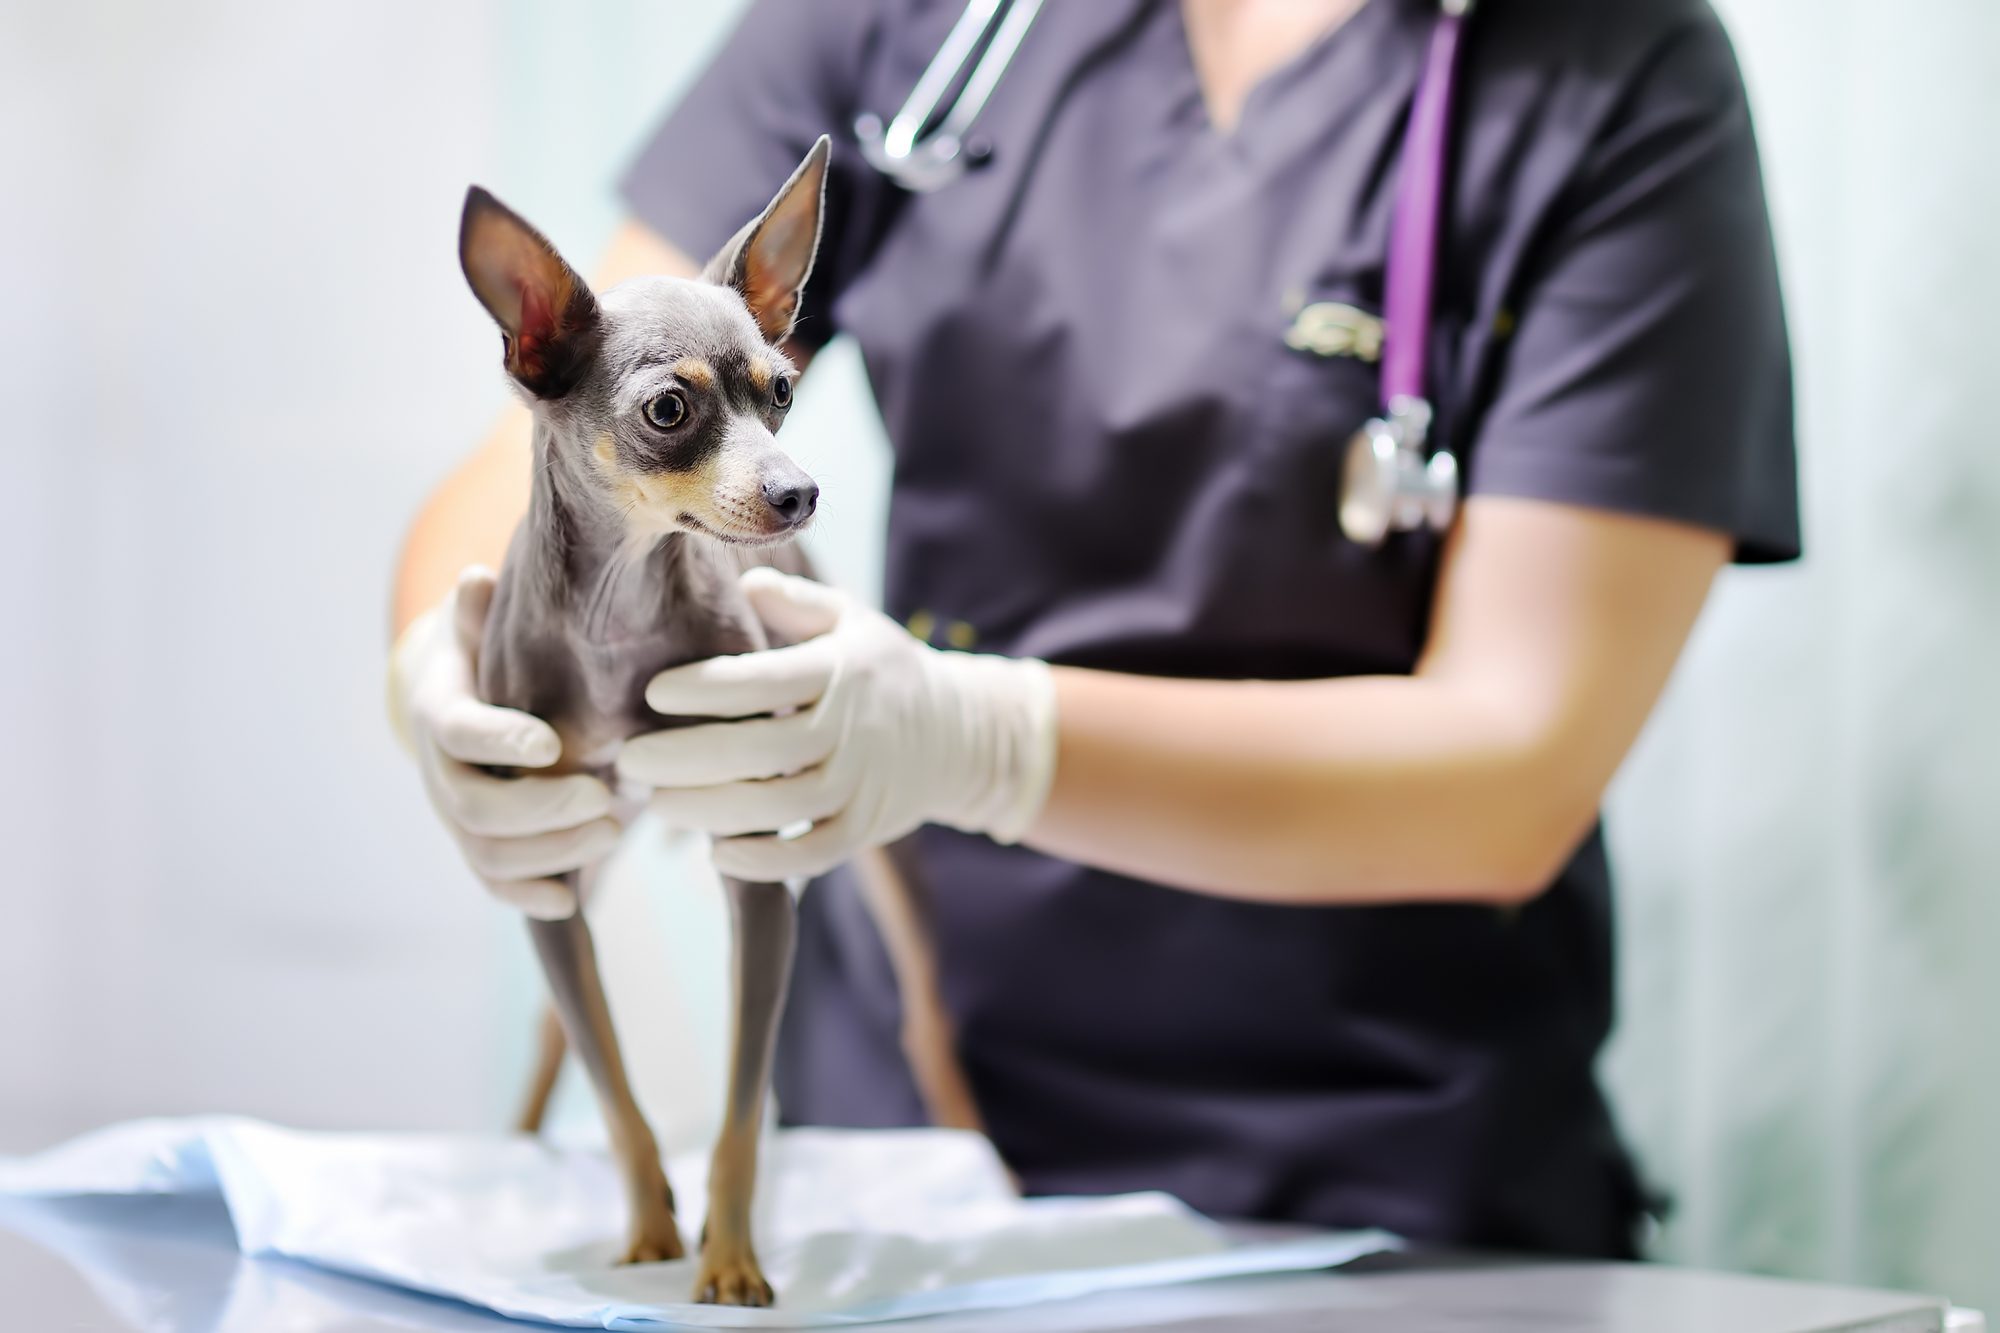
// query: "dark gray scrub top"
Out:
[1106,454]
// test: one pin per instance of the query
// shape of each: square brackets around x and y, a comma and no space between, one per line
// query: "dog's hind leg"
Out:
[930,1042]
[550,1047]
[765,929]
[569,961]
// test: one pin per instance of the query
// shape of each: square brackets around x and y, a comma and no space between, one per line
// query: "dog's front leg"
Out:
[569,961]
[763,919]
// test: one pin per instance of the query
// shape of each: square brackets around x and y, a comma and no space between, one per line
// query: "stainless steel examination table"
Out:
[168,1265]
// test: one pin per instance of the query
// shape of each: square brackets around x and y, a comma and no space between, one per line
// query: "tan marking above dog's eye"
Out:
[695,371]
[667,411]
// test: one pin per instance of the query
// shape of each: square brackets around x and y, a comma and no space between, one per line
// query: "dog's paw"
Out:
[656,1236]
[732,1279]
[654,1249]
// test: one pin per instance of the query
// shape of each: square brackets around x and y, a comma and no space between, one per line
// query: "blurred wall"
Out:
[240,351]
[1807,839]
[233,352]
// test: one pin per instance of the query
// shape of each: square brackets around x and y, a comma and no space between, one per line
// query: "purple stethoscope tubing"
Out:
[1391,483]
[1413,233]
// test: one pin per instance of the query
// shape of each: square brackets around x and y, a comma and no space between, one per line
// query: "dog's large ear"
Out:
[547,316]
[769,261]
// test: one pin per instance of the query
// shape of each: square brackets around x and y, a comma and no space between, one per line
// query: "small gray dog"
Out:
[657,481]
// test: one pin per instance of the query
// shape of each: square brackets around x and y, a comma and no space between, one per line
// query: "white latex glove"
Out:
[516,832]
[884,733]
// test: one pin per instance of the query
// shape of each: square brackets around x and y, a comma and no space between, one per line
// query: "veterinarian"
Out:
[1265,863]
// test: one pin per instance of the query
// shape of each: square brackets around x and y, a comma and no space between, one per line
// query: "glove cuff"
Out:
[1012,720]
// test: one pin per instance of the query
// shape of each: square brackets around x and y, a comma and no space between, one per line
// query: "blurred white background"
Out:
[236,351]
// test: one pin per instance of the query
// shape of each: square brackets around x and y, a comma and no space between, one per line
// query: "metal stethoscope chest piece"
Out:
[1388,484]
[1392,481]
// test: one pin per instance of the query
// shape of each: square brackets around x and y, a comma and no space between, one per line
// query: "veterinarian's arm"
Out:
[1553,632]
[471,515]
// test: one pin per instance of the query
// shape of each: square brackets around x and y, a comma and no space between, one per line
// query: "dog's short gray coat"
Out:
[656,482]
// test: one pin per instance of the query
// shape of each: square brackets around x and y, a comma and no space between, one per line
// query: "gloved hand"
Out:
[516,832]
[884,733]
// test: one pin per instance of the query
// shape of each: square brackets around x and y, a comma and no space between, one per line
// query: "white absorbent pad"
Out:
[853,1226]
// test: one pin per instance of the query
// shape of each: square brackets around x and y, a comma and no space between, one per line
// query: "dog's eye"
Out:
[667,411]
[781,391]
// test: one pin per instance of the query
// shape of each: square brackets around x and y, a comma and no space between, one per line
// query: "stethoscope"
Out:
[920,162]
[1392,481]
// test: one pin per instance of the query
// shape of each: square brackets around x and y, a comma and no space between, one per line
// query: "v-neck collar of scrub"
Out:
[1273,80]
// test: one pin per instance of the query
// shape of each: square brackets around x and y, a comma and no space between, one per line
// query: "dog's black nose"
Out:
[794,501]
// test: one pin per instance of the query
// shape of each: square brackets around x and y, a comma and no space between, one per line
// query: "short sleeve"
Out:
[788,73]
[1648,371]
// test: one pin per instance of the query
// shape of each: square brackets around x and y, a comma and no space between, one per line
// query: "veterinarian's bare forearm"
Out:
[1367,789]
[466,521]
[469,518]
[1472,779]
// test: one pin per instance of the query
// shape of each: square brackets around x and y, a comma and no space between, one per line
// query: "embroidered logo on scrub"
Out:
[957,634]
[1327,328]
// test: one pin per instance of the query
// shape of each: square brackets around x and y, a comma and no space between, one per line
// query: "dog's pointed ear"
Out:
[769,261]
[546,313]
